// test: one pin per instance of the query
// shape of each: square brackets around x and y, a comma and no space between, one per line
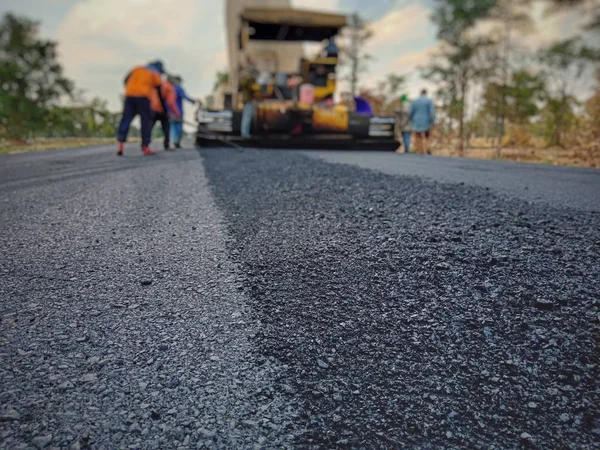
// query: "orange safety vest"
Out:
[141,81]
[167,90]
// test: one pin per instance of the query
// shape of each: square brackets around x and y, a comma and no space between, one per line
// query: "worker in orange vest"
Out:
[140,84]
[163,104]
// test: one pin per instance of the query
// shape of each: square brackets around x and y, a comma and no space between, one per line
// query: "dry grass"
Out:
[39,144]
[588,156]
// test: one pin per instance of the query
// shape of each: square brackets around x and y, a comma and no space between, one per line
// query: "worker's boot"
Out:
[120,149]
[147,152]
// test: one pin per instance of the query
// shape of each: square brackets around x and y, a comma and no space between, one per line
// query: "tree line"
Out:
[33,89]
[506,86]
[488,85]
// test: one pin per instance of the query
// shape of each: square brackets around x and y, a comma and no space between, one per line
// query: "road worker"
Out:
[246,87]
[404,125]
[422,117]
[139,86]
[177,125]
[164,107]
[331,49]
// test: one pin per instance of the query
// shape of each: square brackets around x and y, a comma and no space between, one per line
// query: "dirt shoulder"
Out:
[576,156]
[39,144]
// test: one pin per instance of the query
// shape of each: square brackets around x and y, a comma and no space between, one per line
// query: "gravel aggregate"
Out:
[264,299]
[413,314]
[124,323]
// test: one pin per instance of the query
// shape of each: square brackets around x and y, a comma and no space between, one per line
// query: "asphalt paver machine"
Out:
[292,108]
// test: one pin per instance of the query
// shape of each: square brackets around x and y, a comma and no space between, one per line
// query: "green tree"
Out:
[209,101]
[525,92]
[455,68]
[455,18]
[31,78]
[221,77]
[511,20]
[556,119]
[388,91]
[83,118]
[592,109]
[591,10]
[564,67]
[395,83]
[518,100]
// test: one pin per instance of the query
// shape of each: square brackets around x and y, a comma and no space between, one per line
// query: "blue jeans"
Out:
[406,141]
[135,106]
[247,120]
[176,132]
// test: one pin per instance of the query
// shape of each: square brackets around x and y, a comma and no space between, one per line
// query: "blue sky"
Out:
[99,40]
[50,13]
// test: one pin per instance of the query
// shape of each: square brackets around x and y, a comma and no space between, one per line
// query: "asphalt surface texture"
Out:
[270,299]
[572,187]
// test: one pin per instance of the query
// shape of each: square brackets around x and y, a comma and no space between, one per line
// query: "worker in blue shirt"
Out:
[177,125]
[331,49]
[422,117]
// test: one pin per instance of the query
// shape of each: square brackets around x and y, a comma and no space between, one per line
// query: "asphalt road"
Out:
[554,185]
[267,299]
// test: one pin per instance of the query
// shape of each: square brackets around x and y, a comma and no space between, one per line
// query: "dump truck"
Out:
[293,104]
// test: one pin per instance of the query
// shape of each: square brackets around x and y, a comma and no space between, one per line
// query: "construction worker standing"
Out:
[422,117]
[139,86]
[177,125]
[164,105]
[246,87]
[331,49]
[404,125]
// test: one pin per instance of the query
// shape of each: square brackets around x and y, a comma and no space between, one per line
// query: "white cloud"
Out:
[544,28]
[401,26]
[100,40]
[218,63]
[410,61]
[317,5]
[550,28]
[403,40]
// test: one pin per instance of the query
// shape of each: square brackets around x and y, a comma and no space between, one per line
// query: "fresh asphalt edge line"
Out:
[400,306]
[472,165]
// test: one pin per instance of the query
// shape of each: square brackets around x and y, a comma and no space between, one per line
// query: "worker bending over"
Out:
[164,106]
[140,84]
[177,125]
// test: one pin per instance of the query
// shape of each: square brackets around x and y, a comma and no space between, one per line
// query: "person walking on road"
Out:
[404,126]
[247,89]
[140,84]
[422,117]
[177,124]
[164,105]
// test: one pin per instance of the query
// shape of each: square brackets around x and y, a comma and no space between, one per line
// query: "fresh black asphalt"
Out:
[271,299]
[560,186]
